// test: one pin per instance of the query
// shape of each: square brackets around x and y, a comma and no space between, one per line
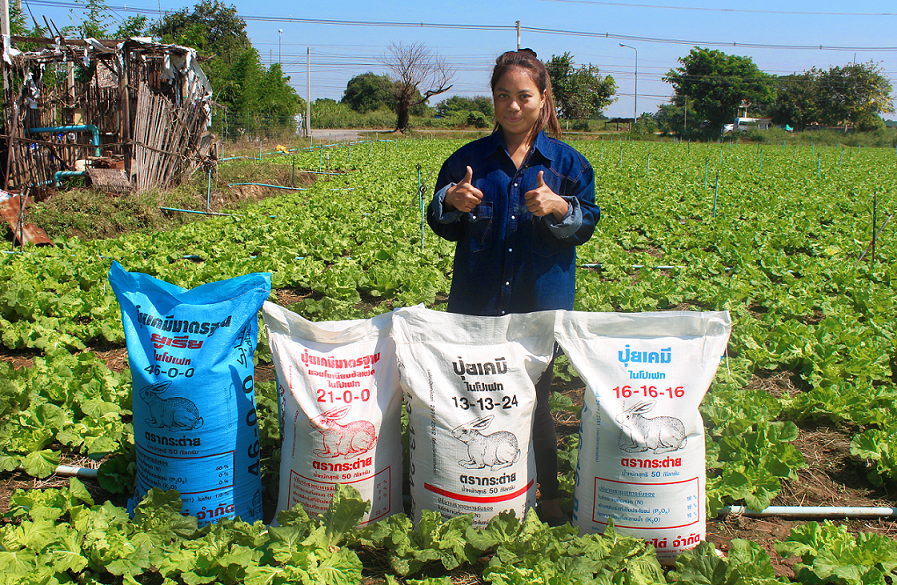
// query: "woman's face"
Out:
[518,103]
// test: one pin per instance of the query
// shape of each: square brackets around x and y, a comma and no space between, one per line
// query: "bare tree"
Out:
[418,75]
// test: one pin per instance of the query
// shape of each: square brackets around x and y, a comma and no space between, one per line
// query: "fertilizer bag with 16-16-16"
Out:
[641,438]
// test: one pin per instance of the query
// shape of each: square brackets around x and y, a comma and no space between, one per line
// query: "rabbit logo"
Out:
[175,413]
[660,434]
[495,451]
[349,440]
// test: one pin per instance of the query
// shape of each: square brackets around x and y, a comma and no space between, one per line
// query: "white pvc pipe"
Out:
[70,470]
[811,511]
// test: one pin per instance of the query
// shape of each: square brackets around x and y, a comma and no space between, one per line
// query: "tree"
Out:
[458,104]
[579,94]
[716,83]
[797,101]
[253,95]
[368,92]
[418,75]
[672,119]
[96,20]
[855,93]
[213,28]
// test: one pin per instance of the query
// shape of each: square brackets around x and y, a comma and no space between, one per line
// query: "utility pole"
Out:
[308,92]
[5,24]
[518,35]
[635,100]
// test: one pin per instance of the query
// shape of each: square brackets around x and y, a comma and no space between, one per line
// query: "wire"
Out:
[509,27]
[732,10]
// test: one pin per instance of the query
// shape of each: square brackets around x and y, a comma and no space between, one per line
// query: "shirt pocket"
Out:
[479,227]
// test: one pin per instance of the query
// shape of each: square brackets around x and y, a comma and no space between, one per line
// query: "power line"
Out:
[509,27]
[732,10]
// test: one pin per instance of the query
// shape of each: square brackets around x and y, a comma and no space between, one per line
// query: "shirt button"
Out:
[515,184]
[473,217]
[508,283]
[510,249]
[513,217]
[502,312]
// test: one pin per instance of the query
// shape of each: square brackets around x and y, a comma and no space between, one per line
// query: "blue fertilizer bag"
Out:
[195,422]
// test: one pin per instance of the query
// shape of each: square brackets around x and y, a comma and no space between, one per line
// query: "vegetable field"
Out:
[780,236]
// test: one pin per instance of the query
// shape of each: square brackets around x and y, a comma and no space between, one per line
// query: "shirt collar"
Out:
[542,146]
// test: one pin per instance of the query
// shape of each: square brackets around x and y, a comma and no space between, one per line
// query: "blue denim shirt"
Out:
[506,259]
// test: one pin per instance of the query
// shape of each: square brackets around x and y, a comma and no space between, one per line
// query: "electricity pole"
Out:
[308,92]
[635,99]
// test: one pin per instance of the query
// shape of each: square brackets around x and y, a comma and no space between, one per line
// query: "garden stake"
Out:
[420,201]
[874,237]
[648,169]
[706,161]
[209,193]
[715,193]
[874,221]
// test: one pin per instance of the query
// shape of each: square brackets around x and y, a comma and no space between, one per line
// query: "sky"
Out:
[344,38]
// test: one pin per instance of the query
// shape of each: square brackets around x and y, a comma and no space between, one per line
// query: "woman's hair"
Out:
[526,60]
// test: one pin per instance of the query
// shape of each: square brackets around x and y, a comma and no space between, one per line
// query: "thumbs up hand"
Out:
[463,196]
[542,200]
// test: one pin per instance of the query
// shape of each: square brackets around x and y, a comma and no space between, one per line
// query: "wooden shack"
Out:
[126,115]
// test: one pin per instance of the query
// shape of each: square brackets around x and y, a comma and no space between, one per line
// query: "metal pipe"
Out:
[94,131]
[811,511]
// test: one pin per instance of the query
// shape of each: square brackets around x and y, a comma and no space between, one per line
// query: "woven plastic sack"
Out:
[469,385]
[340,411]
[195,422]
[641,436]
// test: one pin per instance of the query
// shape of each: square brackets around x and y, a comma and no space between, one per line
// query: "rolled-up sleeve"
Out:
[571,222]
[437,207]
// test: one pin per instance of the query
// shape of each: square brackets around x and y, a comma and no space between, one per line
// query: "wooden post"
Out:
[124,98]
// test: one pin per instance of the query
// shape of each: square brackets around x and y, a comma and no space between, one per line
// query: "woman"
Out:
[518,203]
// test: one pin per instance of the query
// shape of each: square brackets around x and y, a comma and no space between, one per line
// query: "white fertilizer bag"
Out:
[469,386]
[195,421]
[641,437]
[340,411]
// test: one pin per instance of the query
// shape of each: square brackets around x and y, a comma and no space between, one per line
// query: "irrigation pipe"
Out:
[640,266]
[71,471]
[272,186]
[192,211]
[811,512]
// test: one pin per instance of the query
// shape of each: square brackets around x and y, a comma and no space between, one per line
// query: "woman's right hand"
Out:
[463,196]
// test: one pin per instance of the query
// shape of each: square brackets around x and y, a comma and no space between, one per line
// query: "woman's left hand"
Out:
[542,200]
